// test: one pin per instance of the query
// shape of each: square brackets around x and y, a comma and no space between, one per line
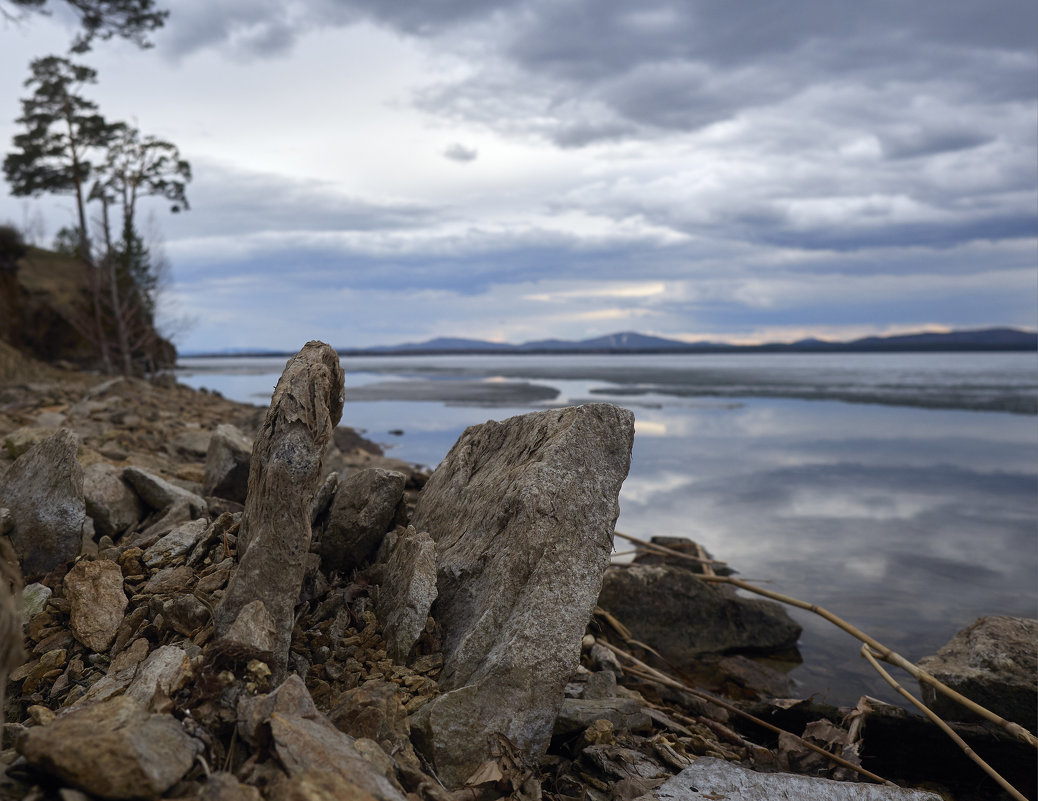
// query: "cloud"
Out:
[460,153]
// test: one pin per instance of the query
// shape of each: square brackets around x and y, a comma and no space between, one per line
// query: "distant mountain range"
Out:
[991,339]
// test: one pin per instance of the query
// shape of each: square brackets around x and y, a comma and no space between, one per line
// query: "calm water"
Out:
[908,521]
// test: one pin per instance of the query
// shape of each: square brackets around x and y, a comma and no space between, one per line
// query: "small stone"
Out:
[34,599]
[95,592]
[227,459]
[174,544]
[253,628]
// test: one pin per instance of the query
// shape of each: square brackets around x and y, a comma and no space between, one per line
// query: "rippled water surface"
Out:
[906,511]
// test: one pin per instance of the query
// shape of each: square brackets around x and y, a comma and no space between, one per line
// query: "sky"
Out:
[372,173]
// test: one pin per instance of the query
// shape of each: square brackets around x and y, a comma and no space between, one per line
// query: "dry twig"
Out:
[871,657]
[880,650]
[648,671]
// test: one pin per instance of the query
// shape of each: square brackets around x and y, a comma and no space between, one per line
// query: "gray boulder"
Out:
[991,662]
[683,618]
[227,464]
[714,778]
[110,502]
[113,749]
[367,504]
[407,588]
[44,492]
[160,494]
[522,513]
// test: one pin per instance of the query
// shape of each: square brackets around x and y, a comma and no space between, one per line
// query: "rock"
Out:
[177,543]
[274,536]
[170,580]
[193,443]
[366,505]
[714,778]
[374,711]
[253,628]
[683,618]
[755,678]
[181,512]
[407,589]
[95,592]
[110,502]
[44,492]
[225,787]
[160,494]
[317,785]
[306,742]
[34,598]
[522,513]
[22,439]
[121,672]
[576,714]
[114,749]
[991,662]
[165,671]
[227,464]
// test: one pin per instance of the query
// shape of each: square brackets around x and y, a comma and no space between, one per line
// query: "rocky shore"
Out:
[225,602]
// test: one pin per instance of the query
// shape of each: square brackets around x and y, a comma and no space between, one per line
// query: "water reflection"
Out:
[908,522]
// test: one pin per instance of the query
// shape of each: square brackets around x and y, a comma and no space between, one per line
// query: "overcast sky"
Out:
[372,172]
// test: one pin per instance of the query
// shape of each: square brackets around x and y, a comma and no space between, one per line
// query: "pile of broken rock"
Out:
[297,618]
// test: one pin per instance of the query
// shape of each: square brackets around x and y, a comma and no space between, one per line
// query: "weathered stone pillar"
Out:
[285,471]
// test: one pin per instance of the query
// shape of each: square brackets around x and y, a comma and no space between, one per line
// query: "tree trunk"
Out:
[285,472]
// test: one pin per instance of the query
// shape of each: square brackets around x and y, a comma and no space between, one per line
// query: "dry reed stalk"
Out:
[884,653]
[871,657]
[647,671]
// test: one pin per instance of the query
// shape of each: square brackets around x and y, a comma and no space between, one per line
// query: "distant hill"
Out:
[992,339]
[633,342]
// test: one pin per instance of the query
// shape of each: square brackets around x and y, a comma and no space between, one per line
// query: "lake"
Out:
[870,484]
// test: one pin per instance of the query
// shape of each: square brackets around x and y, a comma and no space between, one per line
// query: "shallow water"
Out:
[910,522]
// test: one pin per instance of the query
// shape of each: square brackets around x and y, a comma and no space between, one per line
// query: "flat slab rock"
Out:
[113,749]
[715,778]
[522,513]
[683,617]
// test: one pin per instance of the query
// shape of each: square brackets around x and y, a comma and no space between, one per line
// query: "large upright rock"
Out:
[44,491]
[274,537]
[522,513]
